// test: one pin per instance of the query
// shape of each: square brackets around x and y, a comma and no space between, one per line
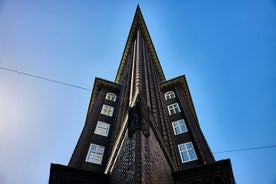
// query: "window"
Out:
[102,128]
[179,127]
[95,154]
[187,152]
[169,95]
[111,97]
[107,110]
[173,108]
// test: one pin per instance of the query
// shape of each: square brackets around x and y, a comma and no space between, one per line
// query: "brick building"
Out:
[141,128]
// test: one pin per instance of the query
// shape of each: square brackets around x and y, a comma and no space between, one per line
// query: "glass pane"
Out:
[183,129]
[189,145]
[101,131]
[177,130]
[101,124]
[171,111]
[100,149]
[174,124]
[93,148]
[192,155]
[181,122]
[182,147]
[185,156]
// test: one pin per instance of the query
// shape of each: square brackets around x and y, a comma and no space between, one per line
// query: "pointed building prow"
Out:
[138,23]
[141,128]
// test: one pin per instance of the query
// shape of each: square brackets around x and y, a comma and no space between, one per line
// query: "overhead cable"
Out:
[44,78]
[245,149]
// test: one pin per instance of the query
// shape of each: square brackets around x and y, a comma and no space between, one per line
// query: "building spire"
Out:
[139,24]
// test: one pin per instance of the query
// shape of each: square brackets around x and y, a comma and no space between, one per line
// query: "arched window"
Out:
[111,97]
[169,95]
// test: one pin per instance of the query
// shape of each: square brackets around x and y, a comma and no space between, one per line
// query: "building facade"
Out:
[142,128]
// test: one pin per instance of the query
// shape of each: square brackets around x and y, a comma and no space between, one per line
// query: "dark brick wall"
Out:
[219,172]
[141,160]
[155,168]
[123,171]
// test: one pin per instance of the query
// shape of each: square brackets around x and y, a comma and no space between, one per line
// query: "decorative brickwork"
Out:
[155,167]
[124,170]
[141,160]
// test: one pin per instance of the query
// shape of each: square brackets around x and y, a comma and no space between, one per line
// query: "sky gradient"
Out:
[226,50]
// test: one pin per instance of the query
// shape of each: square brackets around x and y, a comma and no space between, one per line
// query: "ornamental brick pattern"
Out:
[124,168]
[155,168]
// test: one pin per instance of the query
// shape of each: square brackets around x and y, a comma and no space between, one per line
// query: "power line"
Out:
[44,78]
[245,149]
[51,80]
[87,89]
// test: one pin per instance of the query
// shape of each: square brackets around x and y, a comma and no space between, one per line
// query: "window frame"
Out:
[187,151]
[111,97]
[102,130]
[169,95]
[98,153]
[107,110]
[175,106]
[177,124]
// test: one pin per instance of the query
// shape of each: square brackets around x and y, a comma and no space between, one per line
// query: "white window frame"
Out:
[95,154]
[188,150]
[111,97]
[102,128]
[179,125]
[169,95]
[173,107]
[107,110]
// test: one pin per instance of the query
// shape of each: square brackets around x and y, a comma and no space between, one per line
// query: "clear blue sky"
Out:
[226,49]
